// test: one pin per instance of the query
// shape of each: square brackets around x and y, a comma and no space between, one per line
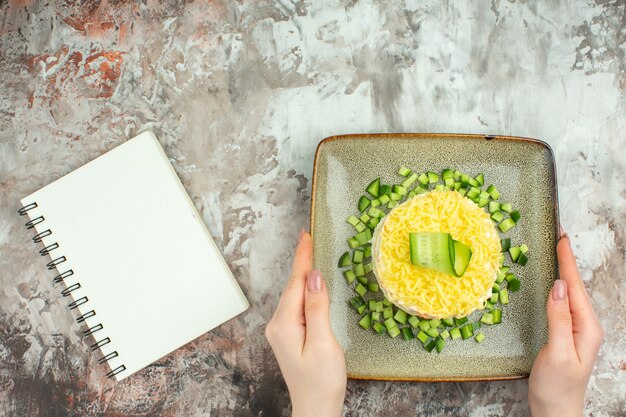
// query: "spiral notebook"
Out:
[134,257]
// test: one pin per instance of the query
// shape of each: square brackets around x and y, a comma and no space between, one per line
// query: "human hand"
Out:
[311,360]
[561,371]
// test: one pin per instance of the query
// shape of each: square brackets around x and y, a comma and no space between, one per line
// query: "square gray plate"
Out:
[523,171]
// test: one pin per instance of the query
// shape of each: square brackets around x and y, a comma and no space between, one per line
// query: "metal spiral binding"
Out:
[53,264]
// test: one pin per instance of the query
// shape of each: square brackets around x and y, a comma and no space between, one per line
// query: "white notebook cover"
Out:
[140,252]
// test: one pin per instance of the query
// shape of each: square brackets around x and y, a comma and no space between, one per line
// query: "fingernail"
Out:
[314,281]
[559,289]
[301,234]
[561,231]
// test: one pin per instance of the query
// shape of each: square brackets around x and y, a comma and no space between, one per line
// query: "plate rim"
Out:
[380,136]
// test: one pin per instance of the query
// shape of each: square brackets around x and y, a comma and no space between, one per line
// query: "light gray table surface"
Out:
[240,94]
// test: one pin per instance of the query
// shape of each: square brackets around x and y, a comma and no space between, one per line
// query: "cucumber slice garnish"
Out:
[364,203]
[344,260]
[440,252]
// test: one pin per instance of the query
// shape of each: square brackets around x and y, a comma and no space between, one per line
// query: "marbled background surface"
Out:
[240,93]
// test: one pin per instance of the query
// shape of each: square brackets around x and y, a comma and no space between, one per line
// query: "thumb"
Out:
[560,335]
[316,313]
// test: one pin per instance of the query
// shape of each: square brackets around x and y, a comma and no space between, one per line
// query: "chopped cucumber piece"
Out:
[473,192]
[497,216]
[504,296]
[410,180]
[367,253]
[457,186]
[349,275]
[372,305]
[487,318]
[467,331]
[497,316]
[494,206]
[423,337]
[509,277]
[494,298]
[423,179]
[482,202]
[374,212]
[506,244]
[395,197]
[398,189]
[522,259]
[434,323]
[358,269]
[360,226]
[368,268]
[373,223]
[365,217]
[440,344]
[379,328]
[384,189]
[387,303]
[419,190]
[361,309]
[424,325]
[480,337]
[357,302]
[401,316]
[514,285]
[374,187]
[473,182]
[372,286]
[414,321]
[460,321]
[439,187]
[365,322]
[506,207]
[515,215]
[407,333]
[432,332]
[457,175]
[449,322]
[496,287]
[455,333]
[463,191]
[506,225]
[362,279]
[364,203]
[353,243]
[390,323]
[411,194]
[444,334]
[394,332]
[360,289]
[493,191]
[375,203]
[465,179]
[364,236]
[515,252]
[392,204]
[353,220]
[447,173]
[375,316]
[387,313]
[379,306]
[432,177]
[480,179]
[404,171]
[488,305]
[384,199]
[344,260]
[449,182]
